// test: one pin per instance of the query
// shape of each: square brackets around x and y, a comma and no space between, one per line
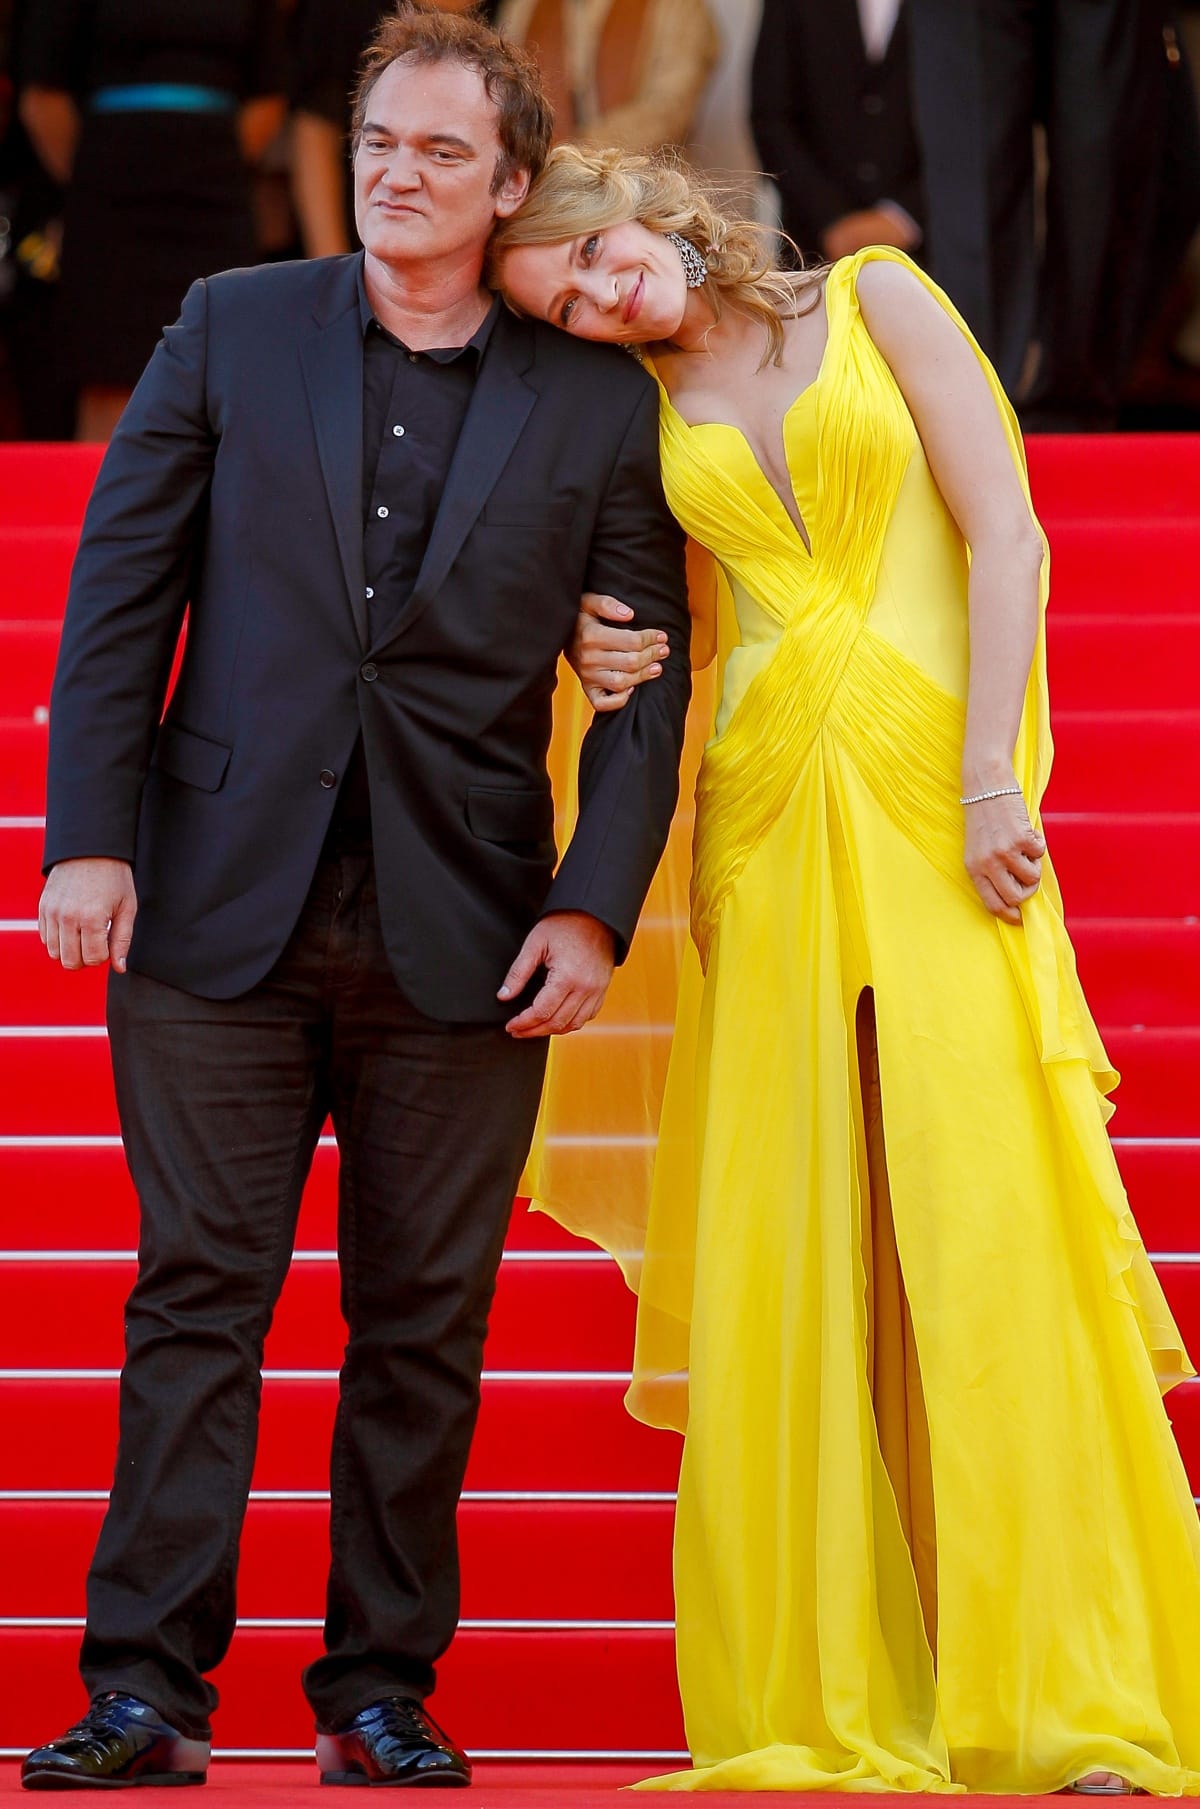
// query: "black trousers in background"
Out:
[1095,71]
[221,1106]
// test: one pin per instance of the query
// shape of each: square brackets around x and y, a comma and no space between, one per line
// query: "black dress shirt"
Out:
[414,405]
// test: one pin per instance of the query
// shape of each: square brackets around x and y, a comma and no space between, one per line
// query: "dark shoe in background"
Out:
[392,1742]
[120,1741]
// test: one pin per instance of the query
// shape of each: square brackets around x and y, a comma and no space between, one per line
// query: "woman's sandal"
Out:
[1102,1783]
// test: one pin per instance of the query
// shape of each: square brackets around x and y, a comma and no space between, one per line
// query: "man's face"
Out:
[424,165]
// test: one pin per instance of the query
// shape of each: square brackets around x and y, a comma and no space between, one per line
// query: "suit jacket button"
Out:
[328,779]
[370,672]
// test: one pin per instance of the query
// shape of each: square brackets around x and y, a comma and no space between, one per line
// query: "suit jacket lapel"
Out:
[332,361]
[499,408]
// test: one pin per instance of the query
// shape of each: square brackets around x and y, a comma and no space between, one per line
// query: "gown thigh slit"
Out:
[893,1365]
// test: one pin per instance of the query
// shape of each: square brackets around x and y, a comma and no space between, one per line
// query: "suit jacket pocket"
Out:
[497,815]
[192,758]
[532,517]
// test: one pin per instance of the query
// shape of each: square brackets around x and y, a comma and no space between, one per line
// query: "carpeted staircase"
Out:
[565,1648]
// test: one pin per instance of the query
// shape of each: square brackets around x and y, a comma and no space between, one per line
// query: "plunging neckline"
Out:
[801,532]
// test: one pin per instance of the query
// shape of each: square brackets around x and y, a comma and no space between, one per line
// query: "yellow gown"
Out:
[933,1530]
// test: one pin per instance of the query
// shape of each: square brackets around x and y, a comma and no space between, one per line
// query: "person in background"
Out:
[331,36]
[1185,346]
[1105,78]
[152,117]
[36,399]
[627,73]
[832,120]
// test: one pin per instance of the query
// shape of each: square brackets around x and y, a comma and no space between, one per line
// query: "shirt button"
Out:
[381,512]
[370,672]
[868,172]
[370,591]
[399,432]
[873,104]
[414,357]
[328,779]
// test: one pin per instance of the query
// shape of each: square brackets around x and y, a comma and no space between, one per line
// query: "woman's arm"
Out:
[259,122]
[965,442]
[51,118]
[318,184]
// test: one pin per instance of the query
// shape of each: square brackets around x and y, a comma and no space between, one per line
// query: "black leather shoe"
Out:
[121,1741]
[393,1742]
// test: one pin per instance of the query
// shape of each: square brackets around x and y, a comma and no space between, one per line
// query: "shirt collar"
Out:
[476,346]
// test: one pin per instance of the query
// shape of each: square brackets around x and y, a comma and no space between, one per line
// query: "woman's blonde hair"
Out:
[583,191]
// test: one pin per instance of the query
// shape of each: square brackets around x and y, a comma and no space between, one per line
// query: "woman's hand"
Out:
[1003,854]
[611,663]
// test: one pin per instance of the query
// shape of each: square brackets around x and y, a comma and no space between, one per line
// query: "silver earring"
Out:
[694,267]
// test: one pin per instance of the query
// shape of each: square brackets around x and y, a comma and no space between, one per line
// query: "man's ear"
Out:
[510,196]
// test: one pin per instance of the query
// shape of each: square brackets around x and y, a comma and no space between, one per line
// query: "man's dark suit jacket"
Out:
[234,484]
[833,128]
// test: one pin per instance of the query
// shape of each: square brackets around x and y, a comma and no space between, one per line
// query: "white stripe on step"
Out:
[52,1030]
[80,1142]
[55,1031]
[56,1140]
[298,1256]
[327,1375]
[492,1754]
[510,1257]
[299,1623]
[526,1497]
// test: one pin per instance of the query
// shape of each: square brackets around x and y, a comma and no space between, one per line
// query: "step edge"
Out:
[78,1373]
[537,1257]
[317,1497]
[574,1376]
[31,1623]
[498,1754]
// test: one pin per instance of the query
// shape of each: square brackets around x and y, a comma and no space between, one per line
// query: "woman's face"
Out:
[623,284]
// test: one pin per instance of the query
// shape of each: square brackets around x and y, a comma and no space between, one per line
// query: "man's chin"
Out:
[403,237]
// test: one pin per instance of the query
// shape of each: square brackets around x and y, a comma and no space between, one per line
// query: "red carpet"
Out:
[566,1641]
[266,1785]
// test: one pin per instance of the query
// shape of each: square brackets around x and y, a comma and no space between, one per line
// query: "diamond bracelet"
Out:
[1005,791]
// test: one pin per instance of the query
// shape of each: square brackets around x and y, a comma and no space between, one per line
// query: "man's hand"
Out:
[609,662]
[86,913]
[868,226]
[577,953]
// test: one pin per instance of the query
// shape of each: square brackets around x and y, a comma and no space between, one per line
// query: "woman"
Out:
[152,117]
[933,1530]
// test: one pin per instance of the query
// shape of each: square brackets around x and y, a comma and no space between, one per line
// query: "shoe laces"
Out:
[416,1715]
[102,1723]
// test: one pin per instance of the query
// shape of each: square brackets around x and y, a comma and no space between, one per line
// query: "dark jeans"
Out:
[221,1105]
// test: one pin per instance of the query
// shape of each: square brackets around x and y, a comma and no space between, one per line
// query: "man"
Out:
[832,121]
[1105,79]
[326,882]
